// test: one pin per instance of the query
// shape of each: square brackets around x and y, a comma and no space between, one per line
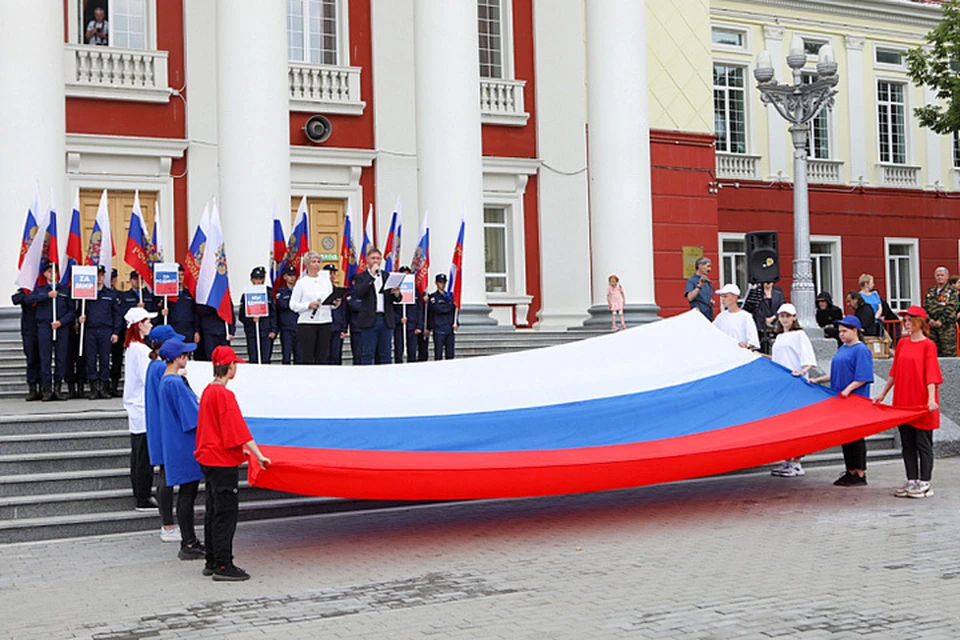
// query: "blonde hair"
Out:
[864,279]
[310,255]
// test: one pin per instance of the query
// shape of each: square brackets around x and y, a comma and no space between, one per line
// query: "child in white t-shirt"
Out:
[734,321]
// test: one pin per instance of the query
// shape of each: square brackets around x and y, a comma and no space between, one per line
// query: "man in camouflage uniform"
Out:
[940,303]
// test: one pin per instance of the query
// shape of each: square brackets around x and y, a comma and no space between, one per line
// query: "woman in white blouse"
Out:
[135,362]
[315,321]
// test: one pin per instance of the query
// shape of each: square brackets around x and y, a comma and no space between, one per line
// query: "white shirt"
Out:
[794,351]
[135,363]
[309,290]
[739,326]
[378,284]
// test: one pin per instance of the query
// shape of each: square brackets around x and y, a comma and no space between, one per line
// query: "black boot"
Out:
[47,393]
[58,391]
[115,391]
[71,389]
[79,391]
[33,392]
[94,392]
[103,390]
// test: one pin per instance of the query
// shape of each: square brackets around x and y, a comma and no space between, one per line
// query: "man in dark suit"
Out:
[375,317]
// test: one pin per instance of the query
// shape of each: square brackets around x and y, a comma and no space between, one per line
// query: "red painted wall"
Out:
[862,216]
[350,132]
[684,211]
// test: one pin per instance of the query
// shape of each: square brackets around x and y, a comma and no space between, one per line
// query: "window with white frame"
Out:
[818,142]
[729,109]
[490,25]
[903,276]
[825,258]
[313,31]
[888,57]
[891,118]
[115,23]
[729,37]
[733,262]
[811,47]
[495,240]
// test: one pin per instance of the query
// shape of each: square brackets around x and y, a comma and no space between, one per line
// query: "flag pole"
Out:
[83,312]
[166,307]
[54,285]
[256,327]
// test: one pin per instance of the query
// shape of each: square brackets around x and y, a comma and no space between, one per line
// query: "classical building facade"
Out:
[578,138]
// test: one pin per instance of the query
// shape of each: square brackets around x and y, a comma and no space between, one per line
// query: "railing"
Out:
[315,87]
[899,175]
[824,171]
[501,102]
[115,73]
[737,165]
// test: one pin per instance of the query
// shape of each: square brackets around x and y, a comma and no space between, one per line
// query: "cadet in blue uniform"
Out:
[414,329]
[340,325]
[28,333]
[116,349]
[267,325]
[76,373]
[182,312]
[213,330]
[400,321]
[356,339]
[103,325]
[440,318]
[45,296]
[287,318]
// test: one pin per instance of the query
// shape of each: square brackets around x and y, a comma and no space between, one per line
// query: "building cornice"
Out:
[125,145]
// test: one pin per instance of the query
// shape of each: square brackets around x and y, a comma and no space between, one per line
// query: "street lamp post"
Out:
[800,103]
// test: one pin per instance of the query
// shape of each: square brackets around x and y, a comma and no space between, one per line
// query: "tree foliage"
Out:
[937,65]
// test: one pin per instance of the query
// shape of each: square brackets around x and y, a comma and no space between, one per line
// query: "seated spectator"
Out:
[863,311]
[97,29]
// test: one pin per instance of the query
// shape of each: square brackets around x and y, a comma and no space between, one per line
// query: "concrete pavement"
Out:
[749,556]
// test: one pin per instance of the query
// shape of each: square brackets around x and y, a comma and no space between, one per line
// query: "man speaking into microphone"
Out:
[375,317]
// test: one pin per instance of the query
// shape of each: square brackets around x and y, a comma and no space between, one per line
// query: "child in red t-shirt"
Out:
[222,435]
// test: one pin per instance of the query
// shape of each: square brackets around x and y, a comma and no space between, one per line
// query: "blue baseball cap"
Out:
[852,322]
[174,348]
[164,332]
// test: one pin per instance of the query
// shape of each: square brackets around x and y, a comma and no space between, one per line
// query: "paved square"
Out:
[749,556]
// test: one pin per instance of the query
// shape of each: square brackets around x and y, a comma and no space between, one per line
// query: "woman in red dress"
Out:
[915,377]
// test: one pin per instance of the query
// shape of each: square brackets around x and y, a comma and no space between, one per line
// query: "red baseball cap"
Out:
[225,355]
[914,312]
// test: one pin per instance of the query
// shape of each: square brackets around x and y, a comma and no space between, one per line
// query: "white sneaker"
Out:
[779,471]
[920,490]
[909,486]
[793,470]
[170,535]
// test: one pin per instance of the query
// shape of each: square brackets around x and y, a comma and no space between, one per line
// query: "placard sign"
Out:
[83,282]
[165,279]
[255,301]
[407,290]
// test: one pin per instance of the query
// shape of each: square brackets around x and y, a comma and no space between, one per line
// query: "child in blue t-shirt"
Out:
[851,372]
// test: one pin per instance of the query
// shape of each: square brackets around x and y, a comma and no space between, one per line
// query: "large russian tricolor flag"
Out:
[420,264]
[74,254]
[391,246]
[666,401]
[139,250]
[213,285]
[194,257]
[100,248]
[30,226]
[31,258]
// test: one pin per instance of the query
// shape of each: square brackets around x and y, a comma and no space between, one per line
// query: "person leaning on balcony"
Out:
[699,289]
[940,303]
[97,29]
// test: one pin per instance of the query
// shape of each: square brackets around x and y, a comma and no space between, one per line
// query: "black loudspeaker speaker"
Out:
[763,257]
[318,128]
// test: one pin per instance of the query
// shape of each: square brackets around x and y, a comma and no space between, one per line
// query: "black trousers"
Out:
[423,348]
[289,346]
[443,345]
[212,341]
[52,351]
[141,471]
[31,349]
[116,362]
[223,509]
[356,345]
[266,348]
[399,334]
[336,348]
[314,342]
[412,340]
[855,455]
[917,447]
[164,498]
[96,351]
[76,364]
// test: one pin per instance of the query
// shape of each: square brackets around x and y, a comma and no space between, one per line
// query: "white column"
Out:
[448,142]
[621,221]
[855,97]
[32,125]
[253,128]
[395,118]
[776,128]
[933,142]
[562,146]
[200,62]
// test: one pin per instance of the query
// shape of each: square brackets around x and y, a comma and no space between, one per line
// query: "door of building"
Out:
[325,218]
[120,206]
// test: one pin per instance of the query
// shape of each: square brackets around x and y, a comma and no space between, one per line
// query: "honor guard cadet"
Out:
[440,320]
[116,349]
[267,324]
[45,296]
[356,340]
[338,330]
[102,329]
[181,312]
[76,370]
[286,317]
[400,321]
[28,334]
[213,330]
[940,303]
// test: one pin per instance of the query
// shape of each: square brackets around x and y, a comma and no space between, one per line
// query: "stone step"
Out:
[35,484]
[67,422]
[70,441]
[28,463]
